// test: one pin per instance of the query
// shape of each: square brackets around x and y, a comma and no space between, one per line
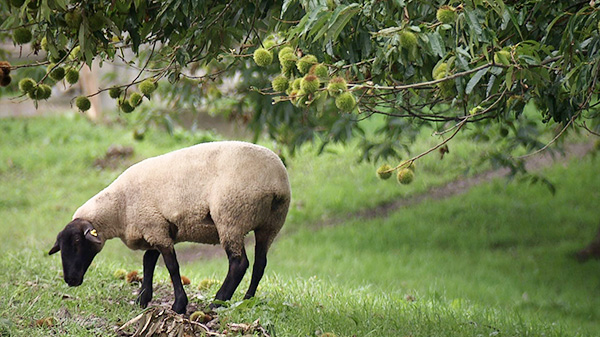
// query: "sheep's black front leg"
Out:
[181,300]
[145,296]
[237,268]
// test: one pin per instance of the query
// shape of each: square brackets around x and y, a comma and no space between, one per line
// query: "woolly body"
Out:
[208,193]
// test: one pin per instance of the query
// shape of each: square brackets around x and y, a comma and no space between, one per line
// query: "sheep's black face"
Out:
[78,244]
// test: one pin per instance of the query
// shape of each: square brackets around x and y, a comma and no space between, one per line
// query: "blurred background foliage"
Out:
[423,65]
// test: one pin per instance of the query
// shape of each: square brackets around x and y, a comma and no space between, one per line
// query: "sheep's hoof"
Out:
[144,298]
[179,306]
[178,310]
[218,304]
[142,304]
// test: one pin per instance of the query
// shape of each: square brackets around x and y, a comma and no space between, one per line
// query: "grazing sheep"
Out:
[208,193]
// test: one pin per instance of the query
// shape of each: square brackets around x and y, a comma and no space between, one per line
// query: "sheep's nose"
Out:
[73,282]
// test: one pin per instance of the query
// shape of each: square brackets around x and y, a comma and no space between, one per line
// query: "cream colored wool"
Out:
[208,193]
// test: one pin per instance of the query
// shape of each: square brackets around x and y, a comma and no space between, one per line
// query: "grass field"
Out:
[496,261]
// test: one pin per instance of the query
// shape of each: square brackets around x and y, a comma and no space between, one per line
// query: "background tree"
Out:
[421,64]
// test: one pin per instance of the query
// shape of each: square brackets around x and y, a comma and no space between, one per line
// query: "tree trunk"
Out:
[89,85]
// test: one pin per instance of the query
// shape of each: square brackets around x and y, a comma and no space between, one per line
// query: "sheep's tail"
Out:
[279,201]
[279,209]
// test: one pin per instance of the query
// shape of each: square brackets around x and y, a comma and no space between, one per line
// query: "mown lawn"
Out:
[496,261]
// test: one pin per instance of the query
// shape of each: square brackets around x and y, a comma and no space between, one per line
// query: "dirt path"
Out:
[463,185]
[456,187]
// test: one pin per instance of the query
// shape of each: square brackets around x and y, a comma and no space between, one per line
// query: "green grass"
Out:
[493,262]
[316,202]
[498,246]
[498,256]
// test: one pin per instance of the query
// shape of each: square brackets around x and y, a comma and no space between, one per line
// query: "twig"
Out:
[252,29]
[553,139]
[205,328]
[411,160]
[443,132]
[37,64]
[453,76]
[427,83]
[230,53]
[589,130]
[220,14]
[146,64]
[356,64]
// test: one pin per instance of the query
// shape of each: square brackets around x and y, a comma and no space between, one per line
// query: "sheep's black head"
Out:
[78,244]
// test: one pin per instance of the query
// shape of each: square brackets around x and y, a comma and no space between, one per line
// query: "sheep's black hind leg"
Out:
[237,268]
[145,296]
[260,262]
[181,300]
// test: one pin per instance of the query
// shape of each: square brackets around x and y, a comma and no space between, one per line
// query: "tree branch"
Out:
[589,130]
[562,131]
[427,83]
[411,160]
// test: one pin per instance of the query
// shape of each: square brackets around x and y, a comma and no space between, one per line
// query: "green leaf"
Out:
[82,41]
[475,79]
[437,44]
[473,21]
[509,77]
[388,31]
[530,60]
[497,5]
[9,22]
[460,59]
[62,4]
[514,21]
[45,10]
[490,86]
[285,6]
[342,19]
[313,17]
[319,28]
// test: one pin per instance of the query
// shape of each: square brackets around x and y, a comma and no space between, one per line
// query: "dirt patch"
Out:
[197,251]
[163,297]
[116,156]
[592,251]
[199,320]
[165,322]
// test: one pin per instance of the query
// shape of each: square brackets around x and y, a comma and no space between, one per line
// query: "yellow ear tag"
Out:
[93,232]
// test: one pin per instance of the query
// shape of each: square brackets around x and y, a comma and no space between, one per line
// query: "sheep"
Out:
[212,193]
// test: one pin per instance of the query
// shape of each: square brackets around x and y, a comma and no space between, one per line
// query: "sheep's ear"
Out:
[92,235]
[89,232]
[54,249]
